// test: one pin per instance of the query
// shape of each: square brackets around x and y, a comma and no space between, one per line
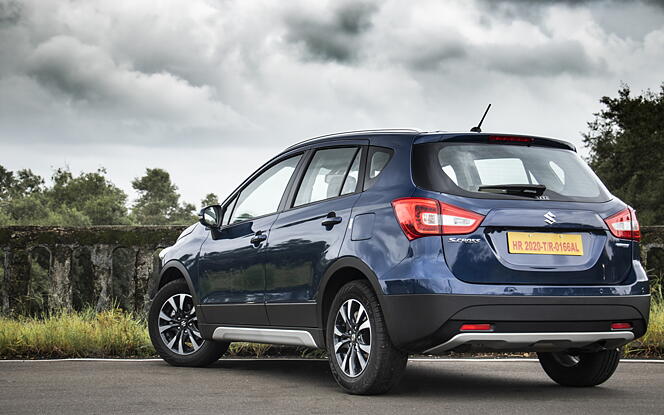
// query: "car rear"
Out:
[536,254]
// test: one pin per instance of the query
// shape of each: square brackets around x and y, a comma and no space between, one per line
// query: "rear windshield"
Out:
[481,170]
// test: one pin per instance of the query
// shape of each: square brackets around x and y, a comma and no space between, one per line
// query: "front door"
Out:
[232,258]
[306,238]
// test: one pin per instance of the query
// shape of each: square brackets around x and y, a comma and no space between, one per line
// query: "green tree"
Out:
[22,183]
[159,202]
[626,143]
[92,194]
[209,200]
[89,199]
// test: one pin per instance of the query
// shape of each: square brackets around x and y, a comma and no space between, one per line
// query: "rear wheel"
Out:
[362,357]
[173,328]
[580,369]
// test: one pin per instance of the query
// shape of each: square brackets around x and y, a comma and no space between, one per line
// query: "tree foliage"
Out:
[626,143]
[209,200]
[159,202]
[87,199]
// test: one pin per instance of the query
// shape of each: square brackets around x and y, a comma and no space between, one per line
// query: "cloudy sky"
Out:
[209,89]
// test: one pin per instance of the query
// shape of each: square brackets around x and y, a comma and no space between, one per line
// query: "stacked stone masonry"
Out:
[47,269]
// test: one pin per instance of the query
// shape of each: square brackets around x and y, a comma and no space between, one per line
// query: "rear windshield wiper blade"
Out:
[514,189]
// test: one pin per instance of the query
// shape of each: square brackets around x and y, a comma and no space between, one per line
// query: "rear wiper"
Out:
[514,189]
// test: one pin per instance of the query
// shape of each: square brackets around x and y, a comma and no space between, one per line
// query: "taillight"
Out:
[510,139]
[420,217]
[624,225]
[457,221]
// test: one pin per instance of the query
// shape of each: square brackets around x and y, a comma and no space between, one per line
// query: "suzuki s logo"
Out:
[549,218]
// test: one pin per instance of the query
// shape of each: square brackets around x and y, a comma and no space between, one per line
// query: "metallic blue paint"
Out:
[224,267]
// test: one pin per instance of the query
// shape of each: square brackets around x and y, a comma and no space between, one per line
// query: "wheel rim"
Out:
[352,338]
[566,359]
[178,325]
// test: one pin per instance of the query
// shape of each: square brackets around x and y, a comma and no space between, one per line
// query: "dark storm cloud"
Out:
[332,37]
[570,2]
[10,13]
[579,3]
[438,54]
[553,59]
[65,66]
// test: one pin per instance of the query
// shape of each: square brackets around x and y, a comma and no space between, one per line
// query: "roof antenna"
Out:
[478,129]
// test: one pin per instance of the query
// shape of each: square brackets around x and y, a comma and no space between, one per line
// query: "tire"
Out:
[181,329]
[365,339]
[581,370]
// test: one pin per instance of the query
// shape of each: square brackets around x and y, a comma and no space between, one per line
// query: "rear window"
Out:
[464,168]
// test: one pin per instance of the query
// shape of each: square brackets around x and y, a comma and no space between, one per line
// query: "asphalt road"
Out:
[299,386]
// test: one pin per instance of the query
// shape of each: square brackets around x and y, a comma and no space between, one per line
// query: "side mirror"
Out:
[210,216]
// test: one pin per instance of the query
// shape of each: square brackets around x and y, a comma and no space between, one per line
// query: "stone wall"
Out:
[53,268]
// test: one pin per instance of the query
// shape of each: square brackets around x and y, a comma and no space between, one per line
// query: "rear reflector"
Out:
[624,225]
[476,327]
[621,326]
[420,217]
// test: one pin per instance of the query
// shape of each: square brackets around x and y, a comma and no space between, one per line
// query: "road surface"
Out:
[306,386]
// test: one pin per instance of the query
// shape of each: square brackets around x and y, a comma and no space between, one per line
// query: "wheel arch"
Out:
[343,270]
[174,270]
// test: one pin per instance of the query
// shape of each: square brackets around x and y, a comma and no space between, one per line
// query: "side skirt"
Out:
[269,335]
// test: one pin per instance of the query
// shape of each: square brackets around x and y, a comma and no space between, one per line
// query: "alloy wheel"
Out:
[178,325]
[352,338]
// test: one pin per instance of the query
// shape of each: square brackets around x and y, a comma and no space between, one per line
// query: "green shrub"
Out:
[652,344]
[112,333]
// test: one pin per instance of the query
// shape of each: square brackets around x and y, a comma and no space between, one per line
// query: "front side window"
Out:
[263,194]
[326,174]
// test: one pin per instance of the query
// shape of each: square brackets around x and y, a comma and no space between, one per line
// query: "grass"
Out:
[112,333]
[651,345]
[116,333]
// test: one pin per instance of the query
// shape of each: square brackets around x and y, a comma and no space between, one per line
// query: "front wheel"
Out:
[581,369]
[173,328]
[362,357]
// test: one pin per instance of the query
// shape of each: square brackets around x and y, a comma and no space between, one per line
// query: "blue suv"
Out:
[379,244]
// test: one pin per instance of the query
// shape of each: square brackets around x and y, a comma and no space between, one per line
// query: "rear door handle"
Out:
[331,220]
[258,238]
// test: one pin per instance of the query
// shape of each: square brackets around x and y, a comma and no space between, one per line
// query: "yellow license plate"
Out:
[544,243]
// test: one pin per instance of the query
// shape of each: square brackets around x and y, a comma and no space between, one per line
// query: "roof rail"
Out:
[344,133]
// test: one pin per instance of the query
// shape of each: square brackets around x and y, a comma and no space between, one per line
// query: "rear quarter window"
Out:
[377,159]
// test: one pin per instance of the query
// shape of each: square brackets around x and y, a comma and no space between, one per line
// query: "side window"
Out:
[325,175]
[263,194]
[229,210]
[376,161]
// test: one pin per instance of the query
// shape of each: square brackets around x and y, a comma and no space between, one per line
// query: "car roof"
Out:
[355,134]
[421,136]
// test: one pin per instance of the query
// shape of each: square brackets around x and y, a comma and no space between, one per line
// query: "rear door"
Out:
[307,236]
[529,235]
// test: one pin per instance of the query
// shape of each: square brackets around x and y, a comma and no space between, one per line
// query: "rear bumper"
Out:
[541,342]
[425,322]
